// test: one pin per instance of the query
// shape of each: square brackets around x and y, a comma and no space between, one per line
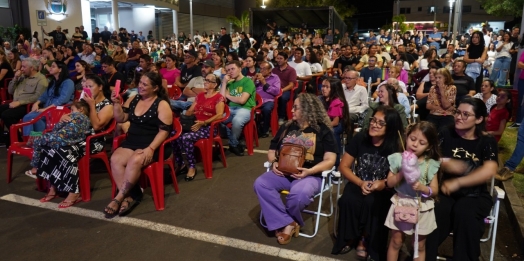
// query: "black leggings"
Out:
[465,217]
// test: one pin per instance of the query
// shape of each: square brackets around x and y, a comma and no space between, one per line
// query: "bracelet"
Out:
[429,194]
[151,148]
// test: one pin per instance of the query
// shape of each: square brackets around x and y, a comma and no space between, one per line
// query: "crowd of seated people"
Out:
[362,84]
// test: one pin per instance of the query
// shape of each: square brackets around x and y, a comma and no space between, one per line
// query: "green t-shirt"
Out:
[236,88]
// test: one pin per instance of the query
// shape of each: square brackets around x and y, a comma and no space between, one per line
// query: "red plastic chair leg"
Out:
[173,175]
[222,153]
[157,186]
[84,182]
[248,134]
[9,165]
[208,160]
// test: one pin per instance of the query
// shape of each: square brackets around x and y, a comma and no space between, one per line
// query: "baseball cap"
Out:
[209,63]
[223,28]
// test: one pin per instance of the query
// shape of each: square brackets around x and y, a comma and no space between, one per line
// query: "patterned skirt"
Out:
[59,166]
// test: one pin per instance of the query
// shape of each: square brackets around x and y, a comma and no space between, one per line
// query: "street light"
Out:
[451,2]
[263,4]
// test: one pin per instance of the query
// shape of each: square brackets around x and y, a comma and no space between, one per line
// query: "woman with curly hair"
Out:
[310,127]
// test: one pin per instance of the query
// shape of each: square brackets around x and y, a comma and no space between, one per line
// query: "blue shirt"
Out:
[374,74]
[435,43]
[66,95]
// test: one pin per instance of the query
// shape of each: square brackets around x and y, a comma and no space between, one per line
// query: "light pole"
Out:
[263,4]
[191,17]
[451,2]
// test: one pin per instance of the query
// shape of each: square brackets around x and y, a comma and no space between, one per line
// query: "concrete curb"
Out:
[515,211]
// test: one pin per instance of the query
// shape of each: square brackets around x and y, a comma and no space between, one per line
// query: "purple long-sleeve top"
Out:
[274,88]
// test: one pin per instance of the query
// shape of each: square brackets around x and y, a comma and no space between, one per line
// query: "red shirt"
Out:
[494,119]
[133,52]
[205,108]
[286,76]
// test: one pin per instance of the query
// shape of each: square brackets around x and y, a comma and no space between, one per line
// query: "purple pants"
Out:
[301,193]
[185,144]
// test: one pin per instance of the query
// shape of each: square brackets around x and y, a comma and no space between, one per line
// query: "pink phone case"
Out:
[117,87]
[88,92]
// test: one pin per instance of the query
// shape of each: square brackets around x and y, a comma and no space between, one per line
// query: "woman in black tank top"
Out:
[475,56]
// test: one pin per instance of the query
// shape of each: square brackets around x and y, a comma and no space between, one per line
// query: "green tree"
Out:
[242,23]
[401,26]
[503,7]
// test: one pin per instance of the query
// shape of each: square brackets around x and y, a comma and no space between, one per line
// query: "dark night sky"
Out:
[373,14]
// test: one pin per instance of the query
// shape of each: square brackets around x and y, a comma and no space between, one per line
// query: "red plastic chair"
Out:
[52,115]
[250,129]
[207,146]
[83,163]
[291,101]
[274,115]
[28,109]
[4,95]
[155,170]
[174,92]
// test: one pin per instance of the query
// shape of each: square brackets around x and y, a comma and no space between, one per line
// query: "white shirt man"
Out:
[356,95]
[302,68]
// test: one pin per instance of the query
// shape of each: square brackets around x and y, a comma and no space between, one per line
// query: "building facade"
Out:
[424,14]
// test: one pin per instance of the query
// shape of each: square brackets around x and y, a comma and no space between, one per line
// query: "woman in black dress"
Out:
[151,122]
[470,161]
[243,45]
[365,201]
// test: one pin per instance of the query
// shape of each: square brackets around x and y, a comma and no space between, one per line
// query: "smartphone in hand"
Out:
[88,92]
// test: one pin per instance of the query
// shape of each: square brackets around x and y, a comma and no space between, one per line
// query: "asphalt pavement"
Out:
[211,219]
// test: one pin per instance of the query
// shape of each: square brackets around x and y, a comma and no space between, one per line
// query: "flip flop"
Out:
[130,206]
[69,203]
[48,198]
[30,174]
[113,210]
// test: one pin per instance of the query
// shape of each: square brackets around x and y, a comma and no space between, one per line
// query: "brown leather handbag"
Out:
[291,157]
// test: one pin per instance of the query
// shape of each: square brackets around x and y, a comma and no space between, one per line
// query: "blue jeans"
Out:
[180,106]
[518,153]
[266,109]
[282,104]
[238,118]
[520,112]
[38,126]
[500,70]
[124,68]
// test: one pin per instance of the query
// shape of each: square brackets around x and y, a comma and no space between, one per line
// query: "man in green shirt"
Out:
[241,93]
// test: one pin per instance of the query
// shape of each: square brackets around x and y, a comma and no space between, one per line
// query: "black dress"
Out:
[144,128]
[365,215]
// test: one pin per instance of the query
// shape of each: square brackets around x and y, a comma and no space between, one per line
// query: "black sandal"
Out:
[112,212]
[130,205]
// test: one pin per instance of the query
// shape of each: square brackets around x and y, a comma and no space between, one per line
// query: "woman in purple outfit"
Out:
[310,127]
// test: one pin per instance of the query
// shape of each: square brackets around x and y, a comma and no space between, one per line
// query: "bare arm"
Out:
[502,127]
[420,92]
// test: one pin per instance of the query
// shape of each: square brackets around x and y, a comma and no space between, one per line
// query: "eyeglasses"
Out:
[464,114]
[348,78]
[209,81]
[378,122]
[296,108]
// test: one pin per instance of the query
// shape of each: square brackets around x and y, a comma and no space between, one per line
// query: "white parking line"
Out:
[173,230]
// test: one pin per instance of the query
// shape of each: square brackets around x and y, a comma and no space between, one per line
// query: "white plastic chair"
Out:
[327,187]
[493,219]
